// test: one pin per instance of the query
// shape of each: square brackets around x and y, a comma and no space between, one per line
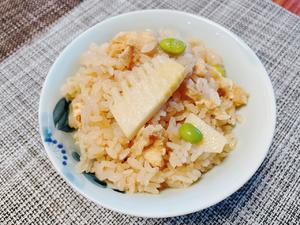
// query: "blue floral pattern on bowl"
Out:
[59,147]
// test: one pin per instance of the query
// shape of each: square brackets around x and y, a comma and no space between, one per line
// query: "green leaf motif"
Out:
[59,110]
[61,116]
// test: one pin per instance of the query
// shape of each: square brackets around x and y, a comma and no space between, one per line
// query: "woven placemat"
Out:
[20,20]
[31,192]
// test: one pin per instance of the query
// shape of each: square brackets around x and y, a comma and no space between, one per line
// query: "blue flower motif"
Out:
[48,138]
[59,146]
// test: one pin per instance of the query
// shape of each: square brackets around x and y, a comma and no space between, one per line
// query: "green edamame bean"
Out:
[172,46]
[220,69]
[190,133]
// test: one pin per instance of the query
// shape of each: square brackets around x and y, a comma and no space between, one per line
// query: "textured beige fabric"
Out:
[20,20]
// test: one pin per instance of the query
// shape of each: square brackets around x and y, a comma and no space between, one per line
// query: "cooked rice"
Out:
[156,158]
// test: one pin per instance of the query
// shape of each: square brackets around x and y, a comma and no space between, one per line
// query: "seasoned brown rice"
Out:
[156,158]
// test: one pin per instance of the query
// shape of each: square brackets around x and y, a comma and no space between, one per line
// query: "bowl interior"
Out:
[254,134]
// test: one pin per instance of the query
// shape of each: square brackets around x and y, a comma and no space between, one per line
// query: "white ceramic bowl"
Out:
[254,135]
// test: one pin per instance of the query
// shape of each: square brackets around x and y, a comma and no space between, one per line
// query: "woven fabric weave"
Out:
[20,20]
[32,192]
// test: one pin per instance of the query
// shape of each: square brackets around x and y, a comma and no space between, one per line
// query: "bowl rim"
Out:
[234,188]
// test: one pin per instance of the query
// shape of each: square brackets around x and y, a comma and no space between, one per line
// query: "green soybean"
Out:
[172,46]
[190,133]
[220,69]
